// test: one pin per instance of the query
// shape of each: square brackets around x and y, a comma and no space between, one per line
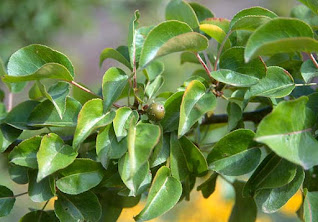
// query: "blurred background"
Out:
[81,29]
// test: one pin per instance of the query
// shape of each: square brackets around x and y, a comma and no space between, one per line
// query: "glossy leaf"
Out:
[277,83]
[201,11]
[273,172]
[19,115]
[235,115]
[271,200]
[169,37]
[216,32]
[132,38]
[234,78]
[182,11]
[287,35]
[24,154]
[308,70]
[36,216]
[7,201]
[40,191]
[107,146]
[114,82]
[196,102]
[122,120]
[8,135]
[251,18]
[233,59]
[109,53]
[80,176]
[18,174]
[208,187]
[288,138]
[311,206]
[90,118]
[154,69]
[242,204]
[161,151]
[53,155]
[178,161]
[35,62]
[164,193]
[153,88]
[172,112]
[312,4]
[73,208]
[45,114]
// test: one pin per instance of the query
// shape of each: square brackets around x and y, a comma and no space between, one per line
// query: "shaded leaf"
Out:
[154,69]
[90,118]
[178,161]
[153,88]
[8,134]
[312,4]
[287,131]
[164,193]
[53,155]
[201,11]
[109,53]
[196,102]
[80,176]
[169,37]
[122,120]
[308,70]
[287,35]
[35,216]
[24,154]
[161,151]
[18,174]
[40,191]
[7,201]
[73,208]
[114,82]
[208,186]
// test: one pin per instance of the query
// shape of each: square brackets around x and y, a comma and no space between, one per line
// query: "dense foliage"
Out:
[99,153]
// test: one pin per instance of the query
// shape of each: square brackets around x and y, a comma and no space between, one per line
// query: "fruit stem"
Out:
[204,66]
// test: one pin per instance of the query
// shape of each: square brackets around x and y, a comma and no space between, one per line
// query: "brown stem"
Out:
[254,116]
[204,66]
[84,88]
[10,101]
[221,49]
[263,62]
[313,60]
[20,194]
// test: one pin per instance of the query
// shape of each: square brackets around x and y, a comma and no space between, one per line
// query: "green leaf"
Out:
[194,158]
[244,209]
[107,146]
[57,94]
[18,174]
[81,95]
[82,207]
[80,176]
[234,78]
[24,154]
[161,151]
[35,62]
[45,114]
[154,69]
[19,115]
[311,206]
[132,38]
[273,172]
[170,121]
[164,193]
[304,13]
[312,4]
[169,37]
[251,18]
[201,11]
[287,35]
[2,68]
[208,187]
[122,120]
[277,83]
[8,134]
[233,59]
[53,155]
[231,154]
[235,115]
[90,118]
[6,201]
[182,11]
[308,70]
[40,191]
[271,200]
[189,57]
[196,102]
[153,88]
[114,82]
[136,181]
[109,53]
[287,131]
[142,138]
[36,216]
[216,32]
[141,35]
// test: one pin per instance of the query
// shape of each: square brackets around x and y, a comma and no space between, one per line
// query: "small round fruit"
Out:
[156,111]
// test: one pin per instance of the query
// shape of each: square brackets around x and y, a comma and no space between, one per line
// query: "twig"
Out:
[254,116]
[307,84]
[263,62]
[313,60]
[45,205]
[220,50]
[84,89]
[204,66]
[20,194]
[10,101]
